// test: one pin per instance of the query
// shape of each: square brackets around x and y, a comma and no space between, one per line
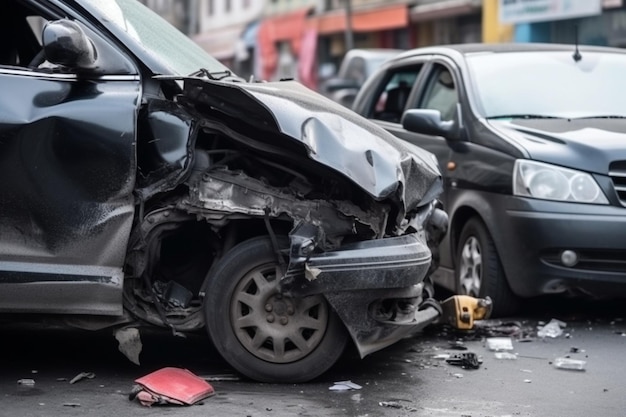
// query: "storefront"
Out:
[591,22]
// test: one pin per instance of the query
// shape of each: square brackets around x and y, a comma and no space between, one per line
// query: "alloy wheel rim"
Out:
[274,327]
[471,267]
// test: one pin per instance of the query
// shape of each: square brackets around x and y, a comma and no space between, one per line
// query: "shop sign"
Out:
[526,11]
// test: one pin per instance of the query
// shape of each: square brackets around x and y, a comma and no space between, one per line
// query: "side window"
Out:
[20,30]
[391,100]
[440,93]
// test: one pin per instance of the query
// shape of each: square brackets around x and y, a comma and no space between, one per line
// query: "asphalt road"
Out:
[410,378]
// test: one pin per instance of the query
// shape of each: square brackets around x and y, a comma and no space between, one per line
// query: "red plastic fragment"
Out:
[174,386]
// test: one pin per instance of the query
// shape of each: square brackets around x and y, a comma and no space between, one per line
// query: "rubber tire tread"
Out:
[224,279]
[494,282]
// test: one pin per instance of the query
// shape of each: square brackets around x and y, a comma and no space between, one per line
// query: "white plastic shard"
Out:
[129,343]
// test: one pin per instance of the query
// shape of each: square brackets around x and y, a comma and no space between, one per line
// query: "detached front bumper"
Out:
[376,287]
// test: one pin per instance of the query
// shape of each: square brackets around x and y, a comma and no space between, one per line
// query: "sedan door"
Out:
[425,83]
[67,159]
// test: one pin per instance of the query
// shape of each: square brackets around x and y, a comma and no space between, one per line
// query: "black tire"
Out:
[479,272]
[261,334]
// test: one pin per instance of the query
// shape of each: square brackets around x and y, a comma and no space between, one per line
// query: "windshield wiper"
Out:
[212,75]
[523,116]
[603,116]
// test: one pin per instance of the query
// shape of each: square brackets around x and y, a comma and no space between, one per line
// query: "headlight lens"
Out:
[549,182]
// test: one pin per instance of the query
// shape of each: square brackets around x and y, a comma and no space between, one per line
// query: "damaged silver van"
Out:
[143,182]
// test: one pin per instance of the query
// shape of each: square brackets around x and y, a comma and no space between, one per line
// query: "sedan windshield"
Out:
[549,84]
[154,36]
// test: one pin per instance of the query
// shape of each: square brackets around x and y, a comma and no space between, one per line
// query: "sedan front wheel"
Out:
[479,272]
[260,332]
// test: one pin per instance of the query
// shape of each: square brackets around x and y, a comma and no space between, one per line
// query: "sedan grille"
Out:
[617,172]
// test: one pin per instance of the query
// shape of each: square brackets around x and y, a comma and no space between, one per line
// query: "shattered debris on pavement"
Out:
[466,360]
[344,386]
[129,341]
[553,329]
[81,376]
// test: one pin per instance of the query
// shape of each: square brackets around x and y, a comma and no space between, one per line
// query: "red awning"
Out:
[370,20]
[289,27]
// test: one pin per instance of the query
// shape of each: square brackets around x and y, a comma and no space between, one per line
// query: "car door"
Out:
[67,162]
[432,84]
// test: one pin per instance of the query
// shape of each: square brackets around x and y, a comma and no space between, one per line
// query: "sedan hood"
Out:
[585,144]
[284,112]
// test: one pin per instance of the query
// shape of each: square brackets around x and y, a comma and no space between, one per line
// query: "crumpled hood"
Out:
[333,136]
[585,144]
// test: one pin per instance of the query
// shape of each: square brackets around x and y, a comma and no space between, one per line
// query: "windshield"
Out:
[549,84]
[162,41]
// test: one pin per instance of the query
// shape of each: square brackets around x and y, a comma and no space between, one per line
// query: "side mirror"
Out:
[429,122]
[65,43]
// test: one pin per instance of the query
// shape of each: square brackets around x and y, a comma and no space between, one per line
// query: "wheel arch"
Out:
[468,204]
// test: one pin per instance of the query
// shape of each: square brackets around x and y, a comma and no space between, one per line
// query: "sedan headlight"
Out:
[549,182]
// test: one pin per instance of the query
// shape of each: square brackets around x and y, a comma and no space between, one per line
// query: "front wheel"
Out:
[261,333]
[479,272]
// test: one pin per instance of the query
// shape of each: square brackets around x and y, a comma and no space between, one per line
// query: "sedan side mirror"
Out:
[65,43]
[428,122]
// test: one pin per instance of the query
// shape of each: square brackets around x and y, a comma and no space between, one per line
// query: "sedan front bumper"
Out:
[376,286]
[533,234]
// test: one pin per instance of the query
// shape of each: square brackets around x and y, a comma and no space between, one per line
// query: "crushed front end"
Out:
[362,207]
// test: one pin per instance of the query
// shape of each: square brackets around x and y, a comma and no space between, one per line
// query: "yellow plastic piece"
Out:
[461,310]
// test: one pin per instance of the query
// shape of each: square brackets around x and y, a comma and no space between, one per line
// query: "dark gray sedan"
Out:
[531,139]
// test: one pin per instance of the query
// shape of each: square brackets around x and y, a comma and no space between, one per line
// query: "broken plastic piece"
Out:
[344,386]
[505,355]
[499,344]
[461,310]
[390,404]
[82,375]
[26,381]
[552,329]
[171,386]
[129,343]
[177,296]
[466,360]
[570,364]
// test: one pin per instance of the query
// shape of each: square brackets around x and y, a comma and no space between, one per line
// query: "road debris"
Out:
[466,360]
[570,364]
[344,386]
[221,377]
[457,345]
[26,381]
[499,344]
[390,404]
[495,327]
[71,405]
[505,355]
[81,376]
[129,343]
[553,329]
[170,386]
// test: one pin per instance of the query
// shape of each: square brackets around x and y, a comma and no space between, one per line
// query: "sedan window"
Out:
[392,99]
[441,93]
[19,29]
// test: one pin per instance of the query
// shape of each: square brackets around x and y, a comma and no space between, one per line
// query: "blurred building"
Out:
[277,39]
[180,13]
[224,28]
[594,22]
